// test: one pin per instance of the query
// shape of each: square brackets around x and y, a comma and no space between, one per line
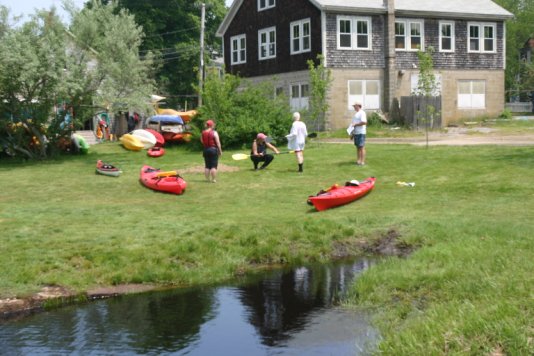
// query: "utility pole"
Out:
[201,74]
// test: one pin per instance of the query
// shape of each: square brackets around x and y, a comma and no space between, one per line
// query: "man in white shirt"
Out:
[359,122]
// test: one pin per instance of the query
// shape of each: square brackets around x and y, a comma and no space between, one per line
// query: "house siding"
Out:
[344,58]
[393,69]
[248,20]
[460,58]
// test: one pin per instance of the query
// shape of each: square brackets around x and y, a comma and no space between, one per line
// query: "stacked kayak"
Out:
[147,139]
[163,181]
[340,195]
[160,141]
[107,169]
[131,142]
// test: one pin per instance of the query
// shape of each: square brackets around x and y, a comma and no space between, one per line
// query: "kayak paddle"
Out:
[242,156]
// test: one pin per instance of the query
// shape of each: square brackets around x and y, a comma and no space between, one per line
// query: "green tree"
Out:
[243,109]
[172,30]
[426,86]
[45,67]
[518,31]
[320,80]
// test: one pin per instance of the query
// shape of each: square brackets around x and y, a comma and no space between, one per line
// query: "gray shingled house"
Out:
[371,48]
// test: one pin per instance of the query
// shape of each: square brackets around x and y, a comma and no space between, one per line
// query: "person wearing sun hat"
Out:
[259,153]
[359,122]
[212,151]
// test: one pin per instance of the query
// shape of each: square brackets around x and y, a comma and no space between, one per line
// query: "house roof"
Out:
[459,9]
[472,9]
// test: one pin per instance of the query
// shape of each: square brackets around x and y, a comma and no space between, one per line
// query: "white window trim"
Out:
[453,36]
[408,37]
[267,6]
[365,103]
[353,34]
[300,24]
[303,101]
[267,31]
[481,38]
[471,107]
[239,49]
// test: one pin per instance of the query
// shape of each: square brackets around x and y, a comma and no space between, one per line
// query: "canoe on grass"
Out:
[107,169]
[163,181]
[340,195]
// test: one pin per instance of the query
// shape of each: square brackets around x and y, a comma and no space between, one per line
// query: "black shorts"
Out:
[211,157]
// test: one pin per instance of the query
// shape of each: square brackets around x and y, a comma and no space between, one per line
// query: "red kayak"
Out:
[155,151]
[164,181]
[160,141]
[336,195]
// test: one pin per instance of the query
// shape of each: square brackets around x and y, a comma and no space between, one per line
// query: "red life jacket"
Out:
[208,139]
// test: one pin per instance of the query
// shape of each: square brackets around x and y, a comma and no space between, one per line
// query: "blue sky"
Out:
[26,7]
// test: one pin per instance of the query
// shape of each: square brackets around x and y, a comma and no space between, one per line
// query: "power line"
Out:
[171,32]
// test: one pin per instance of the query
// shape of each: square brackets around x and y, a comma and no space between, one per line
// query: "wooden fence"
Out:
[415,114]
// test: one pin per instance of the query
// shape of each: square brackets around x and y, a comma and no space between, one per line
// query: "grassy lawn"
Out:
[467,289]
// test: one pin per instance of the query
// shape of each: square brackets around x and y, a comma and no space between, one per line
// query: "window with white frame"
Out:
[267,43]
[266,4]
[299,98]
[436,91]
[446,36]
[239,49]
[353,32]
[409,35]
[365,91]
[300,36]
[482,37]
[471,94]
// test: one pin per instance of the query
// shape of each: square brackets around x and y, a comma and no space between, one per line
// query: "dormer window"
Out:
[266,4]
[267,43]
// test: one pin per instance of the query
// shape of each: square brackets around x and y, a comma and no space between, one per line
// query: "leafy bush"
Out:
[373,119]
[241,110]
[506,114]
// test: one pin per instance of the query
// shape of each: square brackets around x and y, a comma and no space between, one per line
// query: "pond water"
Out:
[278,312]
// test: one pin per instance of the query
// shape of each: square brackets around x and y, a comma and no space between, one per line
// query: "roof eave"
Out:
[228,18]
[359,10]
[454,15]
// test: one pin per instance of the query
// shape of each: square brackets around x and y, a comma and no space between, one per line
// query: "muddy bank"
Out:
[387,244]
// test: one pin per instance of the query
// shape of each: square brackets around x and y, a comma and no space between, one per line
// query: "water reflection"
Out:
[281,312]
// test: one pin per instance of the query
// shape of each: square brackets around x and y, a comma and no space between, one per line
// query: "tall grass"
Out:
[466,290]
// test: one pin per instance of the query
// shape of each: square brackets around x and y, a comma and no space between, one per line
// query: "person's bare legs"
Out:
[300,159]
[207,173]
[213,173]
[361,156]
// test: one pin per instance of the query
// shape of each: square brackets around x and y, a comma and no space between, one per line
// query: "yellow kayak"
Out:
[131,142]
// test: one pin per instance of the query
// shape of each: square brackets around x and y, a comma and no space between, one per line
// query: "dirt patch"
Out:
[200,169]
[112,291]
[16,308]
[389,244]
[13,308]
